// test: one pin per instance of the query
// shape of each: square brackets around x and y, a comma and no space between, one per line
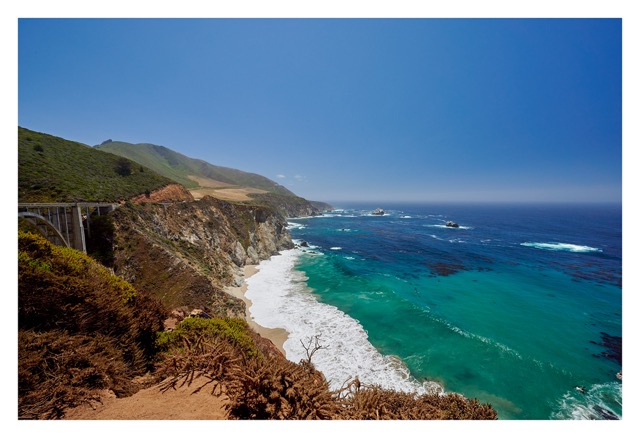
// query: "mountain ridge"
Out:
[202,178]
[180,167]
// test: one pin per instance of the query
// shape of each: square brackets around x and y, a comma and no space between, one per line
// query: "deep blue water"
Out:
[517,307]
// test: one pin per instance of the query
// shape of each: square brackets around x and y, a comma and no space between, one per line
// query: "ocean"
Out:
[520,306]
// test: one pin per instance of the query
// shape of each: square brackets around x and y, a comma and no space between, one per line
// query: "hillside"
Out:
[85,334]
[81,329]
[190,172]
[147,309]
[202,179]
[52,169]
[185,253]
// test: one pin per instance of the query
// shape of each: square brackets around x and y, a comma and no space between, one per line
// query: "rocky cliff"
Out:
[288,206]
[184,253]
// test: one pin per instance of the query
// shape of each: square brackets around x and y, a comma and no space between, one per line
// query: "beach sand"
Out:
[276,335]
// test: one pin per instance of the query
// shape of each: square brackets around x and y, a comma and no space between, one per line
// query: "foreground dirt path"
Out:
[153,404]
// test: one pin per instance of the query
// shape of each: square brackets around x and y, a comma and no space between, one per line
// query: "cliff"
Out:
[287,206]
[184,253]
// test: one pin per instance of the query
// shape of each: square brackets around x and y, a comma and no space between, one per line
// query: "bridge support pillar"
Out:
[78,241]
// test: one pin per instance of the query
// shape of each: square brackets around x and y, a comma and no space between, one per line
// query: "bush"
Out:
[233,330]
[281,390]
[268,386]
[100,242]
[81,328]
[123,167]
[58,370]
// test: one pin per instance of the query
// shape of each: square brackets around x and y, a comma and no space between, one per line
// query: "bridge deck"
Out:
[65,223]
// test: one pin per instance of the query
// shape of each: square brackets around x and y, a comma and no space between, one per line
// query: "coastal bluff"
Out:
[143,321]
[185,253]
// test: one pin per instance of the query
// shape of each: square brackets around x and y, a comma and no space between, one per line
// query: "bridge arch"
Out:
[35,218]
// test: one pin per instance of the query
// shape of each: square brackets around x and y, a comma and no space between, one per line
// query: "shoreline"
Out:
[276,335]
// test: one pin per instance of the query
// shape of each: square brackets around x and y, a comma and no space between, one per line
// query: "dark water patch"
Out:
[604,414]
[444,269]
[613,347]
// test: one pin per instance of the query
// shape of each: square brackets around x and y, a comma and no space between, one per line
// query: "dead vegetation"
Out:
[267,386]
[83,330]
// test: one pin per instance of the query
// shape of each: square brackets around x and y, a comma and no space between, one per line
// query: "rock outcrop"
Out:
[184,253]
[169,193]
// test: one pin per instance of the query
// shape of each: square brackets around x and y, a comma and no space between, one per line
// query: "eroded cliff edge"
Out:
[184,253]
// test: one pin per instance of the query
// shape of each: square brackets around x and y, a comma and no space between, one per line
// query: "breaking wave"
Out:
[597,402]
[554,246]
[281,298]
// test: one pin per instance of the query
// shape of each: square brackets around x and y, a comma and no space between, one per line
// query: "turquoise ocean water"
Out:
[520,307]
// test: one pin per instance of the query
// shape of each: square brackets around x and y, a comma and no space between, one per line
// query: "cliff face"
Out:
[185,252]
[288,206]
[169,193]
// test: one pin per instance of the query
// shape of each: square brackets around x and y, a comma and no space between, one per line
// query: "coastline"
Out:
[276,335]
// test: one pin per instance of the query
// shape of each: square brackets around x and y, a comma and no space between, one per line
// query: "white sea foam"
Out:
[336,248]
[482,339]
[555,246]
[597,402]
[326,215]
[460,227]
[280,298]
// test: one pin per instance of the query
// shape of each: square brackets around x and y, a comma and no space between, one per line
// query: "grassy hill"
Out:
[183,169]
[52,169]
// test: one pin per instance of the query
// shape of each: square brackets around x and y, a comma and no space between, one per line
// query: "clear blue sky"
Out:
[346,109]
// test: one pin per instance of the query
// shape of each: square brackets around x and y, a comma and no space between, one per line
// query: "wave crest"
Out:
[556,246]
[598,402]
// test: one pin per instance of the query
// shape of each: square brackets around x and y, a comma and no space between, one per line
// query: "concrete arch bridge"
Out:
[64,224]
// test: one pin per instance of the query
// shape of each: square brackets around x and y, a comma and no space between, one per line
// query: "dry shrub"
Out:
[260,382]
[279,389]
[57,370]
[81,328]
[268,386]
[204,356]
[64,289]
[370,402]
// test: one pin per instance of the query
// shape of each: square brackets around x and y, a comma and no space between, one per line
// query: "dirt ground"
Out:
[152,403]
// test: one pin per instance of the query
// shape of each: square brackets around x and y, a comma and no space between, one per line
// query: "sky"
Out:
[415,110]
[348,109]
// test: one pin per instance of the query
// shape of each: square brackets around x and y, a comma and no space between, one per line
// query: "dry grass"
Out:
[239,194]
[81,329]
[268,386]
[208,182]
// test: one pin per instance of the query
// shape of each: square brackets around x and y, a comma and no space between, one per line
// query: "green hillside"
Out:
[52,169]
[179,167]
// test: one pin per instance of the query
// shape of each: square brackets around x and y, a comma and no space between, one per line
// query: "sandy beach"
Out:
[276,335]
